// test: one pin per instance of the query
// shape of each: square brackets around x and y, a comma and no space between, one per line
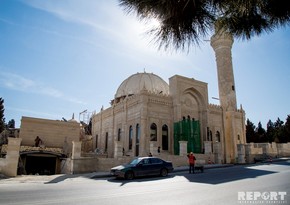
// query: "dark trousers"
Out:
[191,168]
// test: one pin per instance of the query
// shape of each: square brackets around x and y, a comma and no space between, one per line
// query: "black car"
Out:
[143,166]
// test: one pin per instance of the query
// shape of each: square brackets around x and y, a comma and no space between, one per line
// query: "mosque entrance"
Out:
[42,164]
[187,130]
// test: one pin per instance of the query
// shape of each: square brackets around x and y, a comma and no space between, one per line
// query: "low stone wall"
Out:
[100,163]
[283,149]
[91,164]
[258,150]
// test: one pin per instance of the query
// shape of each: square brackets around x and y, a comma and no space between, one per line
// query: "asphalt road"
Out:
[254,184]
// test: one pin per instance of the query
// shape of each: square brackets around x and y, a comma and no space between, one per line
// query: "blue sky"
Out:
[59,57]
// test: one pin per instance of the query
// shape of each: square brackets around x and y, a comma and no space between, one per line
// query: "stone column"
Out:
[207,147]
[248,153]
[118,152]
[76,156]
[76,150]
[241,154]
[217,150]
[153,148]
[12,157]
[182,148]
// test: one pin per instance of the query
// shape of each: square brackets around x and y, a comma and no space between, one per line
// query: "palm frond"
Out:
[182,22]
[187,22]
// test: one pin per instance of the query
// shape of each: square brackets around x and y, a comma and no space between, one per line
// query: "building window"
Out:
[239,137]
[106,142]
[218,136]
[153,132]
[119,134]
[164,137]
[137,140]
[137,133]
[130,137]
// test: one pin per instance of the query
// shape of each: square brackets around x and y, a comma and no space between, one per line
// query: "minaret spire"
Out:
[222,44]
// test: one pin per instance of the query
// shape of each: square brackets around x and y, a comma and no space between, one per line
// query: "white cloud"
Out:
[127,33]
[73,11]
[19,83]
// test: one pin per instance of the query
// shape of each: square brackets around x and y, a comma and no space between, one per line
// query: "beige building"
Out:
[146,109]
[147,113]
[45,156]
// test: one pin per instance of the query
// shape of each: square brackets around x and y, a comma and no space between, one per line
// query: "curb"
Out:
[178,169]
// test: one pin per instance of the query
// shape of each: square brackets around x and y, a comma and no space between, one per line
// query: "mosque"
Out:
[148,115]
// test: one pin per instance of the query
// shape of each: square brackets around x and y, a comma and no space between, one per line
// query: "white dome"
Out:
[139,81]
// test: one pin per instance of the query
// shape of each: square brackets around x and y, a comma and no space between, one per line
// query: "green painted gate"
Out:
[187,130]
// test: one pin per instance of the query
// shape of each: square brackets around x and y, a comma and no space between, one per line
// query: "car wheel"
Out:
[164,172]
[129,175]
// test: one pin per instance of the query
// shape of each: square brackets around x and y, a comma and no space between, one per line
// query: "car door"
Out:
[143,168]
[156,165]
[147,167]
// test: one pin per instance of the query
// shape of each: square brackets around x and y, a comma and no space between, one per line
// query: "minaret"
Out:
[222,44]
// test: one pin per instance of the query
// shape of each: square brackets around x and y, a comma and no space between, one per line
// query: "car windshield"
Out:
[135,161]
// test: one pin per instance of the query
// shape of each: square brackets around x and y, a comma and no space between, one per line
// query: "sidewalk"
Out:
[185,168]
[61,177]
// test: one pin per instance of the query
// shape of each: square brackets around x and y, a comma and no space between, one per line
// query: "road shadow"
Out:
[225,175]
[64,177]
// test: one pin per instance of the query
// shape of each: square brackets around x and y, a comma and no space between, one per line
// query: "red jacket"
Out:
[191,159]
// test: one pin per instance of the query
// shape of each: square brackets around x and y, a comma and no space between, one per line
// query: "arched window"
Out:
[137,139]
[130,137]
[164,137]
[153,132]
[119,134]
[106,142]
[137,133]
[218,136]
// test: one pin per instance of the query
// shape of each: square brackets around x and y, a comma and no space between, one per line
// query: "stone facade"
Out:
[145,106]
[56,143]
[130,121]
[53,133]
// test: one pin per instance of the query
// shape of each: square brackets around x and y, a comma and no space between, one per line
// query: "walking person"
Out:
[191,162]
